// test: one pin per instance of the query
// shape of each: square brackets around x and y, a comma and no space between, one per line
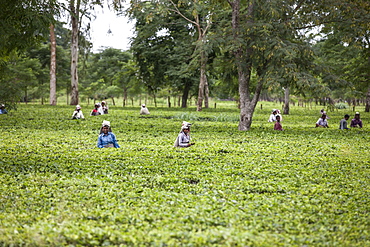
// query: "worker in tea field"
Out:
[343,123]
[323,112]
[2,109]
[104,107]
[183,139]
[272,117]
[144,110]
[77,114]
[106,138]
[322,122]
[278,125]
[96,111]
[356,122]
[278,114]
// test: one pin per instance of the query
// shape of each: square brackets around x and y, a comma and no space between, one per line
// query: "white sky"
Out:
[121,30]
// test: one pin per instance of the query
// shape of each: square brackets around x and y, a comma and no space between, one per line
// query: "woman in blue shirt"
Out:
[106,138]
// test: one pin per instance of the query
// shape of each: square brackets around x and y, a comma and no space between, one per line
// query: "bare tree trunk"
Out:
[286,101]
[367,106]
[202,82]
[53,66]
[26,95]
[206,93]
[244,67]
[202,29]
[185,94]
[124,97]
[200,92]
[67,93]
[75,10]
[169,99]
[113,102]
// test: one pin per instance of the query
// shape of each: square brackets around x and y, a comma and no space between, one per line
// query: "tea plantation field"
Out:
[304,186]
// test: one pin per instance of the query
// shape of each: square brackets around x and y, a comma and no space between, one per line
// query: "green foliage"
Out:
[300,187]
[341,105]
[24,23]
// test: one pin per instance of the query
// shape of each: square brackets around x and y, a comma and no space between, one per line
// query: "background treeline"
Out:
[292,52]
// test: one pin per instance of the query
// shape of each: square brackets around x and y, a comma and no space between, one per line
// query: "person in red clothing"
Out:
[95,111]
[278,125]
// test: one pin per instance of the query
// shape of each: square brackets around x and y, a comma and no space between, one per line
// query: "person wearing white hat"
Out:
[322,122]
[104,107]
[356,122]
[77,114]
[2,109]
[100,109]
[183,139]
[95,111]
[144,110]
[323,112]
[106,138]
[272,117]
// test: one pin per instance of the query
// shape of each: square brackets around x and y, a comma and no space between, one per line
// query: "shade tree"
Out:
[347,47]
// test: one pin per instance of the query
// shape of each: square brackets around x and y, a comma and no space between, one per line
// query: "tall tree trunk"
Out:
[367,107]
[26,95]
[203,81]
[124,97]
[185,94]
[75,10]
[200,92]
[246,109]
[202,29]
[206,93]
[113,102]
[53,66]
[367,104]
[244,67]
[286,101]
[67,93]
[169,99]
[155,100]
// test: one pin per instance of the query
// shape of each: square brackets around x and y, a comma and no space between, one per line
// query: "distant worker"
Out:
[77,114]
[100,109]
[343,123]
[95,111]
[272,117]
[322,122]
[2,109]
[323,112]
[104,107]
[106,138]
[356,122]
[278,125]
[278,114]
[183,139]
[144,110]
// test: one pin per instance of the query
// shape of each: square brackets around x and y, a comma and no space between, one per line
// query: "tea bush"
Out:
[304,186]
[341,105]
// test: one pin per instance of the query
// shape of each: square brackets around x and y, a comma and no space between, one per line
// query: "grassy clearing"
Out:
[301,187]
